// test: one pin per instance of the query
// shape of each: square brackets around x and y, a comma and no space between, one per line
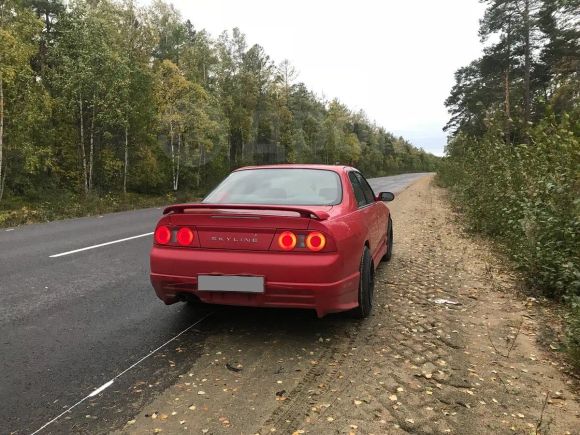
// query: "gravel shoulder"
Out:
[450,348]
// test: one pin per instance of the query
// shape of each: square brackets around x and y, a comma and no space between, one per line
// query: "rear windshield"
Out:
[278,186]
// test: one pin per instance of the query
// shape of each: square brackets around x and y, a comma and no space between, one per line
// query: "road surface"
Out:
[71,319]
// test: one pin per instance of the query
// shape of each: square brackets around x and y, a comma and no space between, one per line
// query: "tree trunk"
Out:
[176,180]
[507,83]
[92,146]
[527,67]
[82,146]
[172,154]
[201,147]
[3,181]
[236,140]
[2,176]
[126,160]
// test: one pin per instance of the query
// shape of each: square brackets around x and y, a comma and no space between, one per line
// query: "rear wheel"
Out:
[366,287]
[389,253]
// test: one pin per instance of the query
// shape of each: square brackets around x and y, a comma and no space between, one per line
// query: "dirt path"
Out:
[449,349]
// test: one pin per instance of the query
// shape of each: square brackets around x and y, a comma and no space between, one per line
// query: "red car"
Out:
[296,236]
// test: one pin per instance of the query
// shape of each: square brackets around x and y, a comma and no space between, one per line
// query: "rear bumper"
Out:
[312,281]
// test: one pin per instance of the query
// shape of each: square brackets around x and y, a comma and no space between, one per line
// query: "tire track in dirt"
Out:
[298,404]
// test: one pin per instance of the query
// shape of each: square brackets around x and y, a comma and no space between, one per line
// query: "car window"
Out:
[367,190]
[358,191]
[284,186]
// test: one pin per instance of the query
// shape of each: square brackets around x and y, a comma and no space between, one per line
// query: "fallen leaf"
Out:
[231,368]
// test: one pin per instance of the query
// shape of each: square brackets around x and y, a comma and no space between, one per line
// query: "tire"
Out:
[366,287]
[387,256]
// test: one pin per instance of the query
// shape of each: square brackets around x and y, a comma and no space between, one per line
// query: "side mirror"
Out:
[386,196]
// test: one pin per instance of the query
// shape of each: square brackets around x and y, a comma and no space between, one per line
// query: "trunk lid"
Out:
[240,229]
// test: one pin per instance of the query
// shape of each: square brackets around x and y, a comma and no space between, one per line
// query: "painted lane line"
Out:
[99,245]
[102,388]
[109,383]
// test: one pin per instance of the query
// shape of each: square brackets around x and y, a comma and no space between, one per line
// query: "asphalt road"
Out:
[71,323]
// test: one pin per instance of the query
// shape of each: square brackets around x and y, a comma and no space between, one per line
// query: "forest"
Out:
[107,101]
[513,156]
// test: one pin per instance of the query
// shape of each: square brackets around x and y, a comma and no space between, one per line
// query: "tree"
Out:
[106,96]
[18,28]
[172,92]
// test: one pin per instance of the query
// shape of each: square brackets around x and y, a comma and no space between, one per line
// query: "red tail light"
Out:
[162,235]
[184,236]
[287,240]
[315,241]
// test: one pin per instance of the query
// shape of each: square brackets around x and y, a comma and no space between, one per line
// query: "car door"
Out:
[375,214]
[365,209]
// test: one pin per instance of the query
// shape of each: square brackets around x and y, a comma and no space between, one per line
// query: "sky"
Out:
[393,59]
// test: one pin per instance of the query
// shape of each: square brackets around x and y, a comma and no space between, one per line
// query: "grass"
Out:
[56,206]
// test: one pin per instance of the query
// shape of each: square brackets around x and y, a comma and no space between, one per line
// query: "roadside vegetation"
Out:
[101,99]
[513,157]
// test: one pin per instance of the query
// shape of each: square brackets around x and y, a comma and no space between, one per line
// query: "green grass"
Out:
[18,211]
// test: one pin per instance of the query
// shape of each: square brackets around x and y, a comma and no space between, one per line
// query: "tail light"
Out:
[315,241]
[162,235]
[184,236]
[287,240]
[303,241]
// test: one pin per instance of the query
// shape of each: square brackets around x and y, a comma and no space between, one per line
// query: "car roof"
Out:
[334,168]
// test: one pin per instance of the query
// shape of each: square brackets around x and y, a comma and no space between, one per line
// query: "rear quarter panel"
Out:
[350,228]
[353,228]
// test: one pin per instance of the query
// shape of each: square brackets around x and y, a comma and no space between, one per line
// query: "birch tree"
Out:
[171,93]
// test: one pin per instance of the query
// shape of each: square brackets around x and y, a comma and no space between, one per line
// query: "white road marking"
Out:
[108,384]
[99,245]
[102,388]
[10,229]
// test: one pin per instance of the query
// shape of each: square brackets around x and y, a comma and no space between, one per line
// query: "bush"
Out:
[528,197]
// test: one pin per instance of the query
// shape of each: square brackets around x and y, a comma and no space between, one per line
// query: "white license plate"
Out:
[230,283]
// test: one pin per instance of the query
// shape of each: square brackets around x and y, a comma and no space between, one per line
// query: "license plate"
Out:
[230,283]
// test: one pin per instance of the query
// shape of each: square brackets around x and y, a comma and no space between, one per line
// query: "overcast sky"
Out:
[393,59]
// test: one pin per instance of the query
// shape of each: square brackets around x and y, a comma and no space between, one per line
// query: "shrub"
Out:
[528,197]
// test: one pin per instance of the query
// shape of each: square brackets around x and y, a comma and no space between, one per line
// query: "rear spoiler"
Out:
[303,211]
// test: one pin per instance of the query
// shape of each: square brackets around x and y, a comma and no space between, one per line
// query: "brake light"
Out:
[184,236]
[162,235]
[287,240]
[315,241]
